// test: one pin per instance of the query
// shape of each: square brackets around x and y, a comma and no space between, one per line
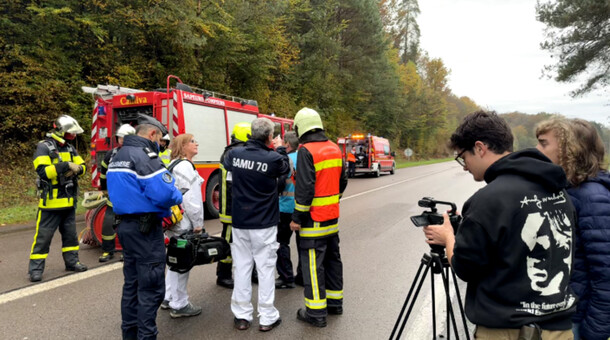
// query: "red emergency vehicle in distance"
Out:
[373,154]
[208,115]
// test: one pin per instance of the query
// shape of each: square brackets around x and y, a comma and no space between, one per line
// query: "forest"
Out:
[357,62]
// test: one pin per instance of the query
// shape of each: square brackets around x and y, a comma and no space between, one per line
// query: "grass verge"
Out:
[407,164]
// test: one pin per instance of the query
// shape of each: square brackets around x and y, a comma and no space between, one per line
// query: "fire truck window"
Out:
[277,130]
[386,149]
[287,127]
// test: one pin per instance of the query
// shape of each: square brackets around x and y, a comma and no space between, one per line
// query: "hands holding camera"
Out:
[440,234]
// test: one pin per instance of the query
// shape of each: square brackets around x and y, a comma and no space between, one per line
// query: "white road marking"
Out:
[45,286]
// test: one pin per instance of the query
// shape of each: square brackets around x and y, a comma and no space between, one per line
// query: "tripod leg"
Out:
[433,304]
[459,298]
[404,306]
[445,279]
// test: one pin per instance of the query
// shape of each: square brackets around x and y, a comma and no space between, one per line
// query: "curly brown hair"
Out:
[581,150]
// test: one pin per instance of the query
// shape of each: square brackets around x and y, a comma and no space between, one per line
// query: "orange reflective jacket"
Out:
[328,164]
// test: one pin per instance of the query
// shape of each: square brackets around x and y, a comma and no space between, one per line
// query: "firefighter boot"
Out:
[106,257]
[35,270]
[72,263]
[224,274]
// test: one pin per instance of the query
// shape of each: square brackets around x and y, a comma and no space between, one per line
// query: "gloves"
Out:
[74,169]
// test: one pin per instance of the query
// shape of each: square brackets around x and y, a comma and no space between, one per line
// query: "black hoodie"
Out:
[514,246]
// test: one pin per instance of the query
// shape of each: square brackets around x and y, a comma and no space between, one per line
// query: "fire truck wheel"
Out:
[212,191]
[377,172]
[393,168]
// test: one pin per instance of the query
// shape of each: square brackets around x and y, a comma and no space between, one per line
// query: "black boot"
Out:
[77,267]
[317,322]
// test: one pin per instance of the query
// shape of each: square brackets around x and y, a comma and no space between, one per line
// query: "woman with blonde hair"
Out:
[184,148]
[576,146]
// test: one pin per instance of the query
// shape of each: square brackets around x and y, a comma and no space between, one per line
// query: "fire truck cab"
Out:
[208,115]
[373,154]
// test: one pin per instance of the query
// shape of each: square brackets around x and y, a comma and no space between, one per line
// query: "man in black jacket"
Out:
[514,245]
[255,170]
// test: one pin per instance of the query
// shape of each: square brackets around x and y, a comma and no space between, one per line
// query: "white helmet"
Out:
[125,130]
[67,124]
[165,137]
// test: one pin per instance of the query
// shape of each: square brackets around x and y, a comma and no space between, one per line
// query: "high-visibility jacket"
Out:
[351,157]
[226,184]
[165,157]
[320,180]
[51,163]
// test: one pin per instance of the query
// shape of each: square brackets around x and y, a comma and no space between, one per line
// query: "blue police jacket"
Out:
[287,197]
[255,170]
[138,182]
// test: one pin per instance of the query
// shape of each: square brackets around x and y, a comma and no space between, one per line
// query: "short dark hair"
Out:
[484,126]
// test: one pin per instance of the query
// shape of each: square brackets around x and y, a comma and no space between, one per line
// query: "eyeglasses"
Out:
[460,159]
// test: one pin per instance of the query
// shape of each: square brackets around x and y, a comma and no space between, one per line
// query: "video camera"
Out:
[432,216]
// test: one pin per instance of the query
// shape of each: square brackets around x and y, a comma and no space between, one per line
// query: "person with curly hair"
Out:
[576,146]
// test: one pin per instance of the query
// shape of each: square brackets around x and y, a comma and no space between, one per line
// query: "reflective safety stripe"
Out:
[66,249]
[318,231]
[329,163]
[38,256]
[241,303]
[66,156]
[313,274]
[334,294]
[103,176]
[50,171]
[36,233]
[56,202]
[315,304]
[301,207]
[226,218]
[109,237]
[328,200]
[42,160]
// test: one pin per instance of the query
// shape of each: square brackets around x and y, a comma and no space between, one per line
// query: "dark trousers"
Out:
[322,274]
[224,269]
[144,273]
[284,264]
[351,169]
[47,222]
[108,231]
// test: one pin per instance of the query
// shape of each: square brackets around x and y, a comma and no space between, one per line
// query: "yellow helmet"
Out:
[242,131]
[306,120]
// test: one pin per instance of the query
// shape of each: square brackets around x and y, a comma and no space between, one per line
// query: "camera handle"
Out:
[437,261]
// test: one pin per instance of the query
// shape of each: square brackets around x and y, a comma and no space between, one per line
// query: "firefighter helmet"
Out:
[125,130]
[242,131]
[307,120]
[165,137]
[67,127]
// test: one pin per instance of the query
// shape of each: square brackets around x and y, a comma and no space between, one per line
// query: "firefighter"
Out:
[142,192]
[239,137]
[108,228]
[351,162]
[320,181]
[58,166]
[164,150]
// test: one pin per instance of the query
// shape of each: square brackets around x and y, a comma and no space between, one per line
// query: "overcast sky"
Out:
[492,48]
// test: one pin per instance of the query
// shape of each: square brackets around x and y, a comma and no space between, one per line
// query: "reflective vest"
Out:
[165,156]
[328,164]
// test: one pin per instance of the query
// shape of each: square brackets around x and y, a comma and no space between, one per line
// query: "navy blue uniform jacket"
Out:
[138,182]
[255,170]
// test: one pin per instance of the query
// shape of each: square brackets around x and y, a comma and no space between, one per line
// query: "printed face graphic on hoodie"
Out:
[542,231]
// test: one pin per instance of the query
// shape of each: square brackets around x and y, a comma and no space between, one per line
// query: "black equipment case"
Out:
[188,250]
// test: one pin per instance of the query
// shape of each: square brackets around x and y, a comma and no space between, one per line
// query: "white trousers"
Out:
[250,246]
[175,289]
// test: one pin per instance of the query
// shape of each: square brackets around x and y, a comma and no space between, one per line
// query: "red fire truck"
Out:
[373,154]
[208,115]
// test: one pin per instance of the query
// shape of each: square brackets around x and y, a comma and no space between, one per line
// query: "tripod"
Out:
[436,260]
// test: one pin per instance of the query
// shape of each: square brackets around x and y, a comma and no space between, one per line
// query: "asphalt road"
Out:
[380,247]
